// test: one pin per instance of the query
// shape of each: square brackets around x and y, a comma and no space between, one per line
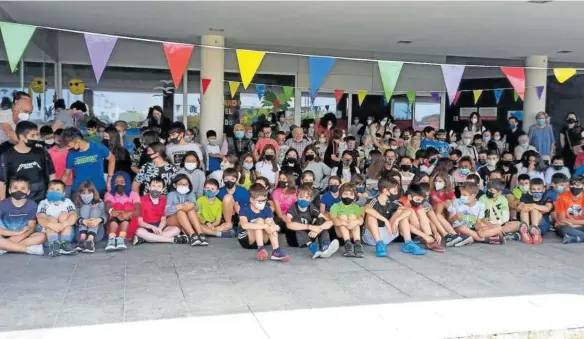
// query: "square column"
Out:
[533,78]
[212,67]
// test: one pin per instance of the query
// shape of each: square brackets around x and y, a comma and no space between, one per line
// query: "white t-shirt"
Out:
[53,209]
[212,149]
[6,118]
[176,153]
[467,214]
[267,170]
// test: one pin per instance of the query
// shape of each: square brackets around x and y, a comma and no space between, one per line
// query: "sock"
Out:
[122,234]
[53,238]
[260,248]
[192,235]
[112,235]
[218,235]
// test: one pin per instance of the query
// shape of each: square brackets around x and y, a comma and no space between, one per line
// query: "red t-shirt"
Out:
[579,160]
[150,212]
[441,196]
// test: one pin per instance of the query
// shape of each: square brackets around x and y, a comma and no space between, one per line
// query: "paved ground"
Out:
[173,281]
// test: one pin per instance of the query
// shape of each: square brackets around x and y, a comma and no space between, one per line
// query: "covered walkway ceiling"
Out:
[493,29]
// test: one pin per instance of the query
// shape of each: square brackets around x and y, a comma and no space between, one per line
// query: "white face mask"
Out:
[497,137]
[23,116]
[474,120]
[50,141]
[467,141]
[439,185]
[383,122]
[259,205]
[524,188]
[225,165]
[182,189]
[190,166]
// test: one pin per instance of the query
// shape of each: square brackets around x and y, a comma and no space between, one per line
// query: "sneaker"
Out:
[329,249]
[514,236]
[181,239]
[121,243]
[435,246]
[279,255]
[203,240]
[314,250]
[66,248]
[349,249]
[80,246]
[136,240]
[495,240]
[359,250]
[262,254]
[535,233]
[194,240]
[524,234]
[412,248]
[89,247]
[466,239]
[111,244]
[452,239]
[380,249]
[570,239]
[54,249]
[35,250]
[228,234]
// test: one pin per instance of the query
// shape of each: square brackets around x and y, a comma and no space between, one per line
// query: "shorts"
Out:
[243,239]
[384,234]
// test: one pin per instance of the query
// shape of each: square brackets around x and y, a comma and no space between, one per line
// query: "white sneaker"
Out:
[121,243]
[111,244]
[35,250]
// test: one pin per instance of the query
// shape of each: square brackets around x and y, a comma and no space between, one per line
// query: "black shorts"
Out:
[243,239]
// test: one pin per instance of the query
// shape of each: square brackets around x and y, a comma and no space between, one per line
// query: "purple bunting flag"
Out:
[436,96]
[452,75]
[100,48]
[539,90]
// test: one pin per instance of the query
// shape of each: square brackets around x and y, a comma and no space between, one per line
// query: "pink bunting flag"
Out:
[456,97]
[100,48]
[516,76]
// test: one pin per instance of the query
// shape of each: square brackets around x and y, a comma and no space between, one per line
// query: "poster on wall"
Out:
[488,113]
[465,112]
[516,114]
[231,114]
[426,114]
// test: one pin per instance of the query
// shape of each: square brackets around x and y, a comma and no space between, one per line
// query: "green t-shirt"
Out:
[209,211]
[496,210]
[339,209]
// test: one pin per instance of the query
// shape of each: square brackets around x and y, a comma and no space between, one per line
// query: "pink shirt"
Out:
[59,158]
[122,199]
[285,201]
[263,142]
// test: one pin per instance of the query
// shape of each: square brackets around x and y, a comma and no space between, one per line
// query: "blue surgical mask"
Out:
[464,199]
[464,171]
[541,122]
[55,196]
[239,134]
[303,203]
[560,189]
[361,189]
[247,166]
[209,194]
[537,195]
[511,126]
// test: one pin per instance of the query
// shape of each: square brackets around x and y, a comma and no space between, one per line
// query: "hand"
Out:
[179,207]
[156,230]
[272,229]
[312,235]
[350,226]
[438,238]
[126,215]
[23,230]
[315,229]
[114,213]
[334,157]
[188,206]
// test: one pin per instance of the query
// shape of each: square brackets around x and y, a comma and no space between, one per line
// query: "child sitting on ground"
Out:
[358,180]
[233,197]
[559,185]
[210,212]
[348,218]
[152,225]
[92,216]
[496,222]
[121,204]
[306,226]
[181,211]
[56,215]
[257,223]
[534,212]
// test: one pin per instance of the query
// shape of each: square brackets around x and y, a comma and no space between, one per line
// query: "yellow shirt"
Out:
[246,181]
[209,211]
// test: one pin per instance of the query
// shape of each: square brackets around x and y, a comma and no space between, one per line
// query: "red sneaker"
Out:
[262,255]
[435,246]
[524,233]
[536,235]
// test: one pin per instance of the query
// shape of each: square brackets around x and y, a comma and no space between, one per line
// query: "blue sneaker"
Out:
[380,249]
[570,239]
[279,255]
[314,250]
[329,249]
[412,248]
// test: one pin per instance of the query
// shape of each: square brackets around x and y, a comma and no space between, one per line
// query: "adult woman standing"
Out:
[159,166]
[570,136]
[336,147]
[112,140]
[156,121]
[541,136]
[474,124]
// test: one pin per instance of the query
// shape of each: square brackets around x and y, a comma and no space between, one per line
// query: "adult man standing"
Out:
[514,133]
[177,146]
[68,118]
[27,160]
[298,141]
[21,110]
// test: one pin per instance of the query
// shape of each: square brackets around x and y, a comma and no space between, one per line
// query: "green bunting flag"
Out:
[16,37]
[288,91]
[411,97]
[389,72]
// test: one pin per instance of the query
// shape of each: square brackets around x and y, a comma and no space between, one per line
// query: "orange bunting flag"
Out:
[178,57]
[339,94]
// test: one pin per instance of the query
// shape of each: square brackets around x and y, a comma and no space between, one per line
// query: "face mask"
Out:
[173,140]
[464,199]
[157,117]
[303,204]
[87,198]
[571,121]
[393,147]
[213,143]
[247,166]
[524,144]
[18,195]
[347,163]
[182,189]
[537,195]
[188,139]
[50,141]
[53,196]
[541,122]
[511,126]
[334,188]
[396,134]
[259,205]
[492,163]
[322,141]
[415,203]
[464,171]
[405,168]
[474,120]
[439,185]
[383,122]
[224,166]
[356,122]
[23,116]
[560,189]
[466,141]
[361,189]
[209,194]
[269,157]
[490,194]
[120,189]
[575,190]
[154,194]
[191,166]
[347,201]
[558,167]
[249,135]
[369,122]
[407,137]
[393,197]
[442,138]
[309,157]
[486,139]
[497,137]
[229,184]
[524,188]
[282,184]
[30,143]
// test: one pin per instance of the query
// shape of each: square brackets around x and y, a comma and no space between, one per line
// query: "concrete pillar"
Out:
[297,103]
[533,78]
[212,67]
[185,97]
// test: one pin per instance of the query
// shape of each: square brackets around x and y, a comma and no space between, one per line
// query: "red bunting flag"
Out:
[177,56]
[205,84]
[516,76]
[338,95]
[456,97]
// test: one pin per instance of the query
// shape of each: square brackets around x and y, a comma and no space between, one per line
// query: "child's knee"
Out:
[343,218]
[63,216]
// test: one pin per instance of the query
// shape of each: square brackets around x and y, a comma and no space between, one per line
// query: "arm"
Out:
[10,133]
[44,221]
[246,225]
[2,190]
[543,208]
[278,210]
[56,124]
[562,140]
[66,175]
[295,226]
[172,205]
[111,167]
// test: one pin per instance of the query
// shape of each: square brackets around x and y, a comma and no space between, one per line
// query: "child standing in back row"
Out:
[213,152]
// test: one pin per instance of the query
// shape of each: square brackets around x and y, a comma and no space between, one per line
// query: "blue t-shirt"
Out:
[241,195]
[214,164]
[14,218]
[550,194]
[88,165]
[440,146]
[328,200]
[251,216]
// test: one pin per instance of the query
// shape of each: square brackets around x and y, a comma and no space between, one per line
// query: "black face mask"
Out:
[229,184]
[269,157]
[18,195]
[393,197]
[155,194]
[347,201]
[415,203]
[483,161]
[405,168]
[309,157]
[282,184]
[558,168]
[30,143]
[120,189]
[105,142]
[571,121]
[575,190]
[490,194]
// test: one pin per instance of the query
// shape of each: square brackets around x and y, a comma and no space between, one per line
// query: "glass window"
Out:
[426,113]
[323,103]
[401,109]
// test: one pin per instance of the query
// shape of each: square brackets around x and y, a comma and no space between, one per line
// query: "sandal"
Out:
[524,233]
[535,233]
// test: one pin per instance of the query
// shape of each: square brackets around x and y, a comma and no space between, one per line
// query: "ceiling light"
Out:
[539,2]
[564,52]
[405,42]
[216,29]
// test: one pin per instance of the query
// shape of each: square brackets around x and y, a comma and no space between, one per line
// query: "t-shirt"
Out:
[550,194]
[35,165]
[151,212]
[328,200]
[213,164]
[441,196]
[66,118]
[266,170]
[466,213]
[251,216]
[14,218]
[528,199]
[88,165]
[176,153]
[167,172]
[406,179]
[55,208]
[59,158]
[284,200]
[240,195]
[174,198]
[339,209]
[497,211]
[569,206]
[122,198]
[386,210]
[307,217]
[209,210]
[5,118]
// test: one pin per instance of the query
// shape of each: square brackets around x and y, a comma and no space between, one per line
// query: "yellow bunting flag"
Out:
[361,96]
[563,74]
[477,94]
[249,62]
[233,87]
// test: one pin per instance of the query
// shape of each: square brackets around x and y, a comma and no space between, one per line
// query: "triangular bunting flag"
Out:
[178,57]
[498,92]
[456,97]
[361,94]
[249,62]
[436,96]
[260,90]
[16,37]
[563,74]
[326,107]
[411,97]
[515,95]
[288,91]
[452,75]
[100,48]
[539,91]
[233,87]
[516,76]
[339,95]
[318,69]
[389,72]
[477,94]
[205,82]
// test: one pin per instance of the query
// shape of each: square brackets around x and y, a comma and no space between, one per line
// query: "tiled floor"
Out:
[172,281]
